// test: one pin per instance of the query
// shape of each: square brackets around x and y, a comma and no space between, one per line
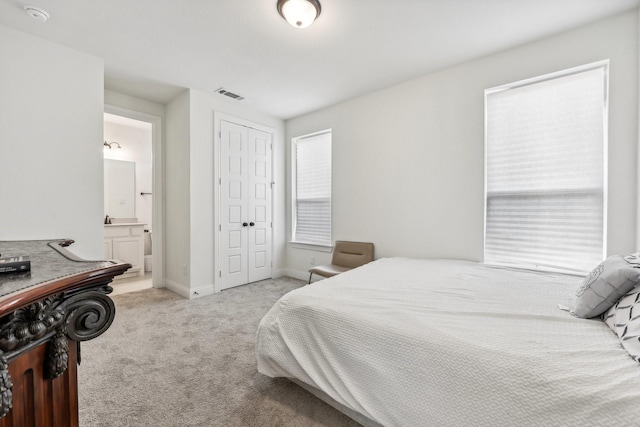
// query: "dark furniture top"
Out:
[53,269]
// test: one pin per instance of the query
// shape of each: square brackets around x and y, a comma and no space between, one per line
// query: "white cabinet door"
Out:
[108,254]
[245,205]
[128,249]
[126,243]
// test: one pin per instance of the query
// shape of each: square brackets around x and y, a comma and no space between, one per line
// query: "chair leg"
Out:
[310,274]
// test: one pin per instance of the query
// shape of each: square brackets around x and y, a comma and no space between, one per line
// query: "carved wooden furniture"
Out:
[44,315]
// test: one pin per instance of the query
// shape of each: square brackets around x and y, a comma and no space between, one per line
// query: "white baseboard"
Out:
[296,274]
[299,274]
[187,292]
[176,287]
[202,291]
[278,273]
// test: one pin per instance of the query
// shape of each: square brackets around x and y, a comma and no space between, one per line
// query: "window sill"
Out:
[535,269]
[311,246]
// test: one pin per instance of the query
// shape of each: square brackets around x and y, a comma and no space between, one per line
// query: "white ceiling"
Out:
[155,48]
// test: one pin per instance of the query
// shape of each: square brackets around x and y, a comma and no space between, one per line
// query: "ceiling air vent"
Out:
[224,92]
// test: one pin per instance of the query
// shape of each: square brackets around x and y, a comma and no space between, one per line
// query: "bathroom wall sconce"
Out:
[111,144]
[299,13]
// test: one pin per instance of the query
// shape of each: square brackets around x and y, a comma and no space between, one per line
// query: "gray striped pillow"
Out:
[605,285]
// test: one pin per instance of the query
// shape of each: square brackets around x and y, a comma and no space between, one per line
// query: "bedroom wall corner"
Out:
[203,169]
[176,197]
[408,161]
[637,248]
[622,49]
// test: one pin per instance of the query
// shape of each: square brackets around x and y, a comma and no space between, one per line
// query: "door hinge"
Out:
[219,227]
[220,273]
[219,181]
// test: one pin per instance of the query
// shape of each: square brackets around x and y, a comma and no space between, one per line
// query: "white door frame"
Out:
[217,118]
[157,215]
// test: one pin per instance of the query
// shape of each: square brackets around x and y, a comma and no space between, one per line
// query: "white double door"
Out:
[245,205]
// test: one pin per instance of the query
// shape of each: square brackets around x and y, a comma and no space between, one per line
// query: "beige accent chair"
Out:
[346,255]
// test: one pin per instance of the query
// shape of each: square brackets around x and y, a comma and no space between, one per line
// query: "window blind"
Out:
[312,199]
[545,171]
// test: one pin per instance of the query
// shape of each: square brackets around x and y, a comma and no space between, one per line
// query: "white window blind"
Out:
[545,171]
[312,189]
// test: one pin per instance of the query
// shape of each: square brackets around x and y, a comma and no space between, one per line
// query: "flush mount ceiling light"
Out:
[37,13]
[299,13]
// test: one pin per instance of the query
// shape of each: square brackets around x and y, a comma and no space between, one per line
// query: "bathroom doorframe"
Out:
[157,214]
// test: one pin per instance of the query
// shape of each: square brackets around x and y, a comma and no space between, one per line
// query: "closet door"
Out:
[259,205]
[234,226]
[245,205]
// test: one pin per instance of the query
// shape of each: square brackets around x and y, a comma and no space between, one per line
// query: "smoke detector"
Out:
[37,13]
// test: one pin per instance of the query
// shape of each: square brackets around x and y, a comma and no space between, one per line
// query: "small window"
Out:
[545,171]
[311,188]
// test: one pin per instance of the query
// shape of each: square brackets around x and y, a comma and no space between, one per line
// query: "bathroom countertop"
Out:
[129,224]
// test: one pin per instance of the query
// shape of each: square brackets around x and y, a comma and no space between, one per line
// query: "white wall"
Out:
[132,103]
[177,197]
[203,169]
[51,112]
[190,163]
[638,153]
[408,161]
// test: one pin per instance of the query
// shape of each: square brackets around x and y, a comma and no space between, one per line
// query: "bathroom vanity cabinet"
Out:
[125,242]
[44,315]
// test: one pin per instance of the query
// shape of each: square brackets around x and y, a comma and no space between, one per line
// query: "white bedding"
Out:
[409,342]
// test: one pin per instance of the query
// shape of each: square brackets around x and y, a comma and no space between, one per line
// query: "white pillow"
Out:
[624,319]
[605,285]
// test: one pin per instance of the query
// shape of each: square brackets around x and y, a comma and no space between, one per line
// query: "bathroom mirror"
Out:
[119,188]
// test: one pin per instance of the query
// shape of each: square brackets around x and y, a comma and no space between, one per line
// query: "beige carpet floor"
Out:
[168,361]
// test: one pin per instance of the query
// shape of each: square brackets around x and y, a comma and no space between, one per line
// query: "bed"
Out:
[409,342]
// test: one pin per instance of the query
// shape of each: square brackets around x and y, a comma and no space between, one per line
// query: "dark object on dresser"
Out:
[44,315]
[14,264]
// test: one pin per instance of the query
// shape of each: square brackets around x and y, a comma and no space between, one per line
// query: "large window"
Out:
[311,188]
[545,169]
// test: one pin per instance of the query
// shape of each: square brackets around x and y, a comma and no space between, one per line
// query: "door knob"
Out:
[244,224]
[252,224]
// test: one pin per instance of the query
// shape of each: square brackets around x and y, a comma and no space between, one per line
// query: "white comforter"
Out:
[409,342]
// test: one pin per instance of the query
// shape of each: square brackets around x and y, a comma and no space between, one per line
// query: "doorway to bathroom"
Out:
[132,197]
